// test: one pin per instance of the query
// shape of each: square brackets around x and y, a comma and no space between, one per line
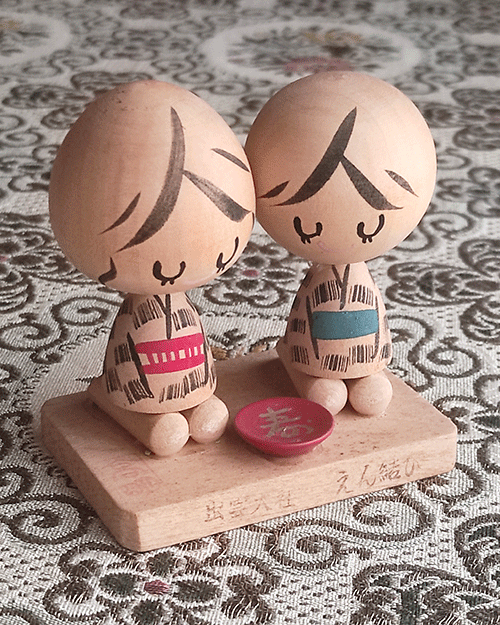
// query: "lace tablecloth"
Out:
[424,553]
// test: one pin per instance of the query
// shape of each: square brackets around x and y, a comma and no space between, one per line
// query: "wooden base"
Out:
[149,502]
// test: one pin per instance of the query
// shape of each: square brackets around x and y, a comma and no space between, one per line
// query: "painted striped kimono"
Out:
[158,359]
[337,327]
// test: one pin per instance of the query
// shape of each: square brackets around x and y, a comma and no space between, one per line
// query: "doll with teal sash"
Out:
[344,168]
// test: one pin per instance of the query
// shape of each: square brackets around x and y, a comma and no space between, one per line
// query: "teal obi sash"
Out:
[344,324]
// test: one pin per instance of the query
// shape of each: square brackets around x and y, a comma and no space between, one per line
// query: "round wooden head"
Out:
[151,191]
[344,167]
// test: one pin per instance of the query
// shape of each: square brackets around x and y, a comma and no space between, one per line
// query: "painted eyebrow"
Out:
[333,156]
[329,162]
[231,157]
[275,190]
[169,193]
[366,189]
[125,215]
[222,201]
[401,181]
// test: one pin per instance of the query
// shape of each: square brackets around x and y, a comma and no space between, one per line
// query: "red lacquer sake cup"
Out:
[284,426]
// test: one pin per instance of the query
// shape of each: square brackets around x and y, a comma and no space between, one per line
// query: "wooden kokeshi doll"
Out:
[344,167]
[151,194]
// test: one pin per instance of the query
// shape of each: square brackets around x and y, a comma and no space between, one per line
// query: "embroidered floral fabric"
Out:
[424,553]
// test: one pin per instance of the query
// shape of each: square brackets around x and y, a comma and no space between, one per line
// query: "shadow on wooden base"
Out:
[149,502]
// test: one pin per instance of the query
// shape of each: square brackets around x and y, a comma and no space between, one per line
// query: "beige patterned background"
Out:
[423,554]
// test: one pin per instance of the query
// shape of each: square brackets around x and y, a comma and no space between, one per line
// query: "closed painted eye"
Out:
[368,236]
[221,264]
[306,237]
[157,273]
